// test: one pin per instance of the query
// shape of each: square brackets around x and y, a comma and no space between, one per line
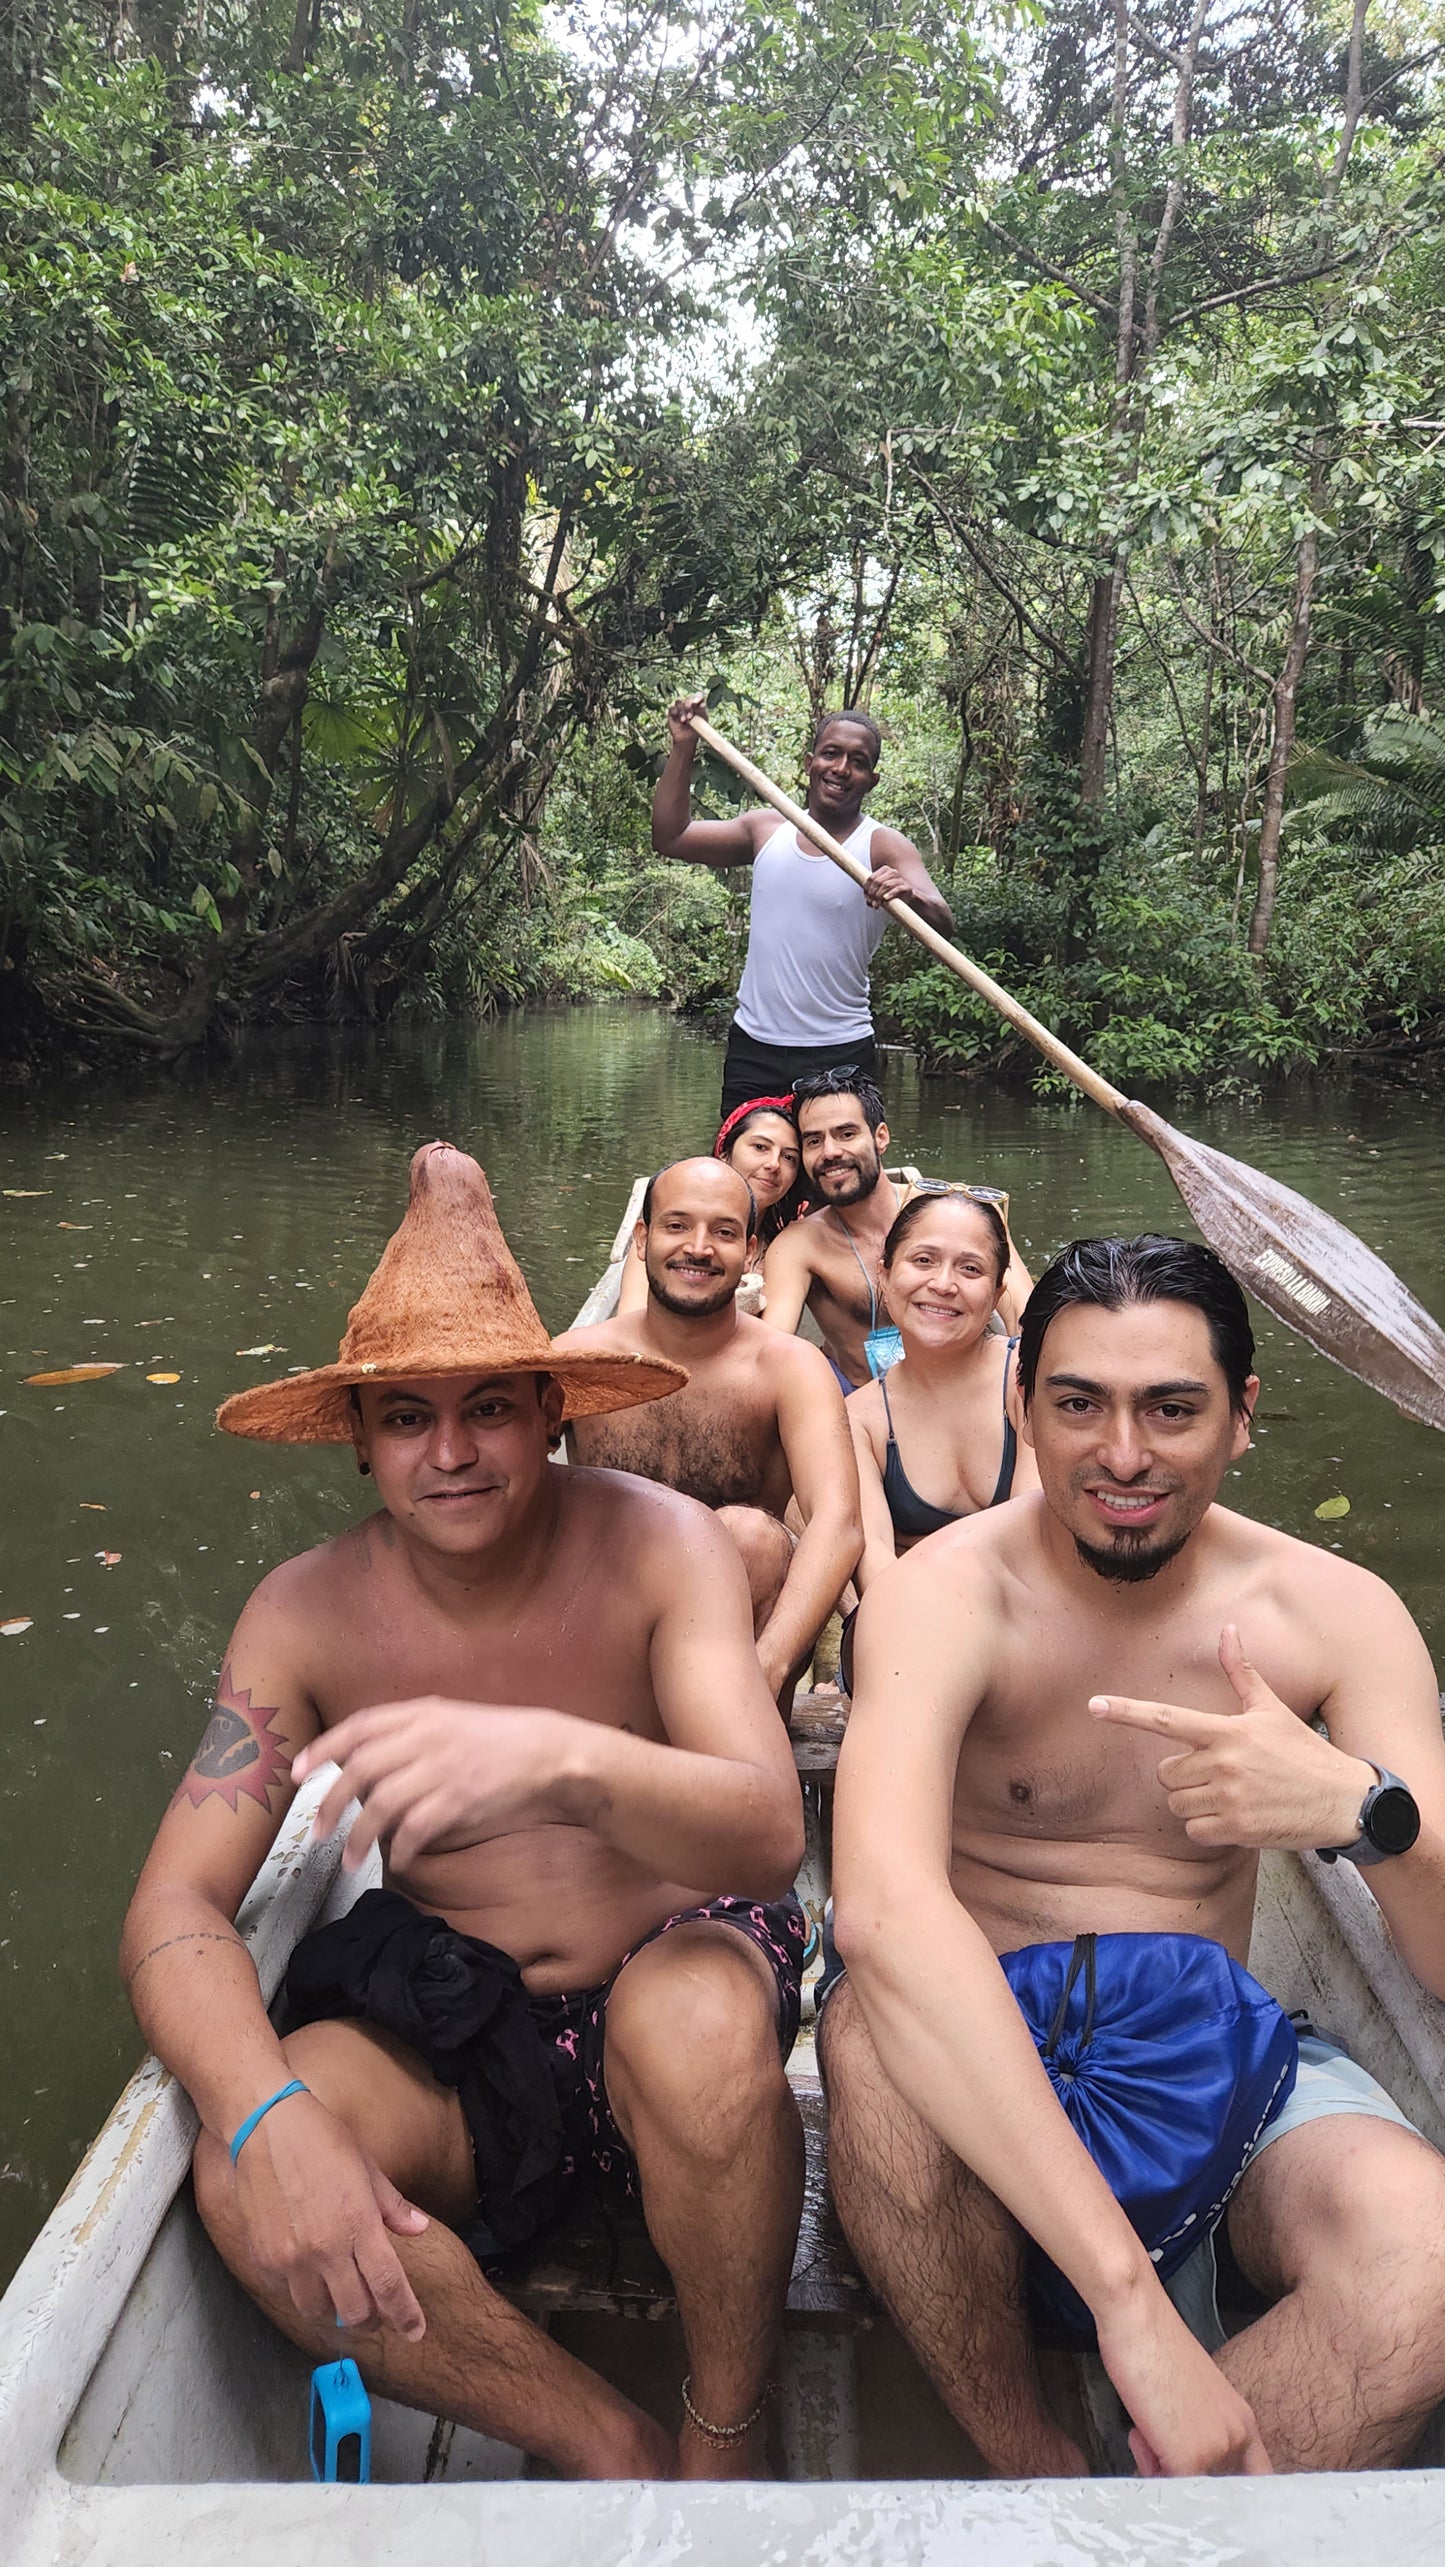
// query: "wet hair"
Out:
[845,1081]
[645,1216]
[1109,1274]
[924,1201]
[860,721]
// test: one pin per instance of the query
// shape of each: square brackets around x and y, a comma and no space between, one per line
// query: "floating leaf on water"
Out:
[75,1225]
[260,1350]
[1330,1509]
[25,1193]
[74,1373]
[163,1377]
[92,1506]
[110,1559]
[12,1630]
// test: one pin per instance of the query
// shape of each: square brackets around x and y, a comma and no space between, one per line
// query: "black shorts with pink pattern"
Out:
[529,2072]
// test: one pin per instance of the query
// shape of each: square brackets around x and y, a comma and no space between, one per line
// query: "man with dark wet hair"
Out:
[803,1004]
[1078,1720]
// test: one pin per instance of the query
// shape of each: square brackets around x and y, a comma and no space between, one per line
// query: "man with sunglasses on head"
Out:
[830,1263]
[803,1003]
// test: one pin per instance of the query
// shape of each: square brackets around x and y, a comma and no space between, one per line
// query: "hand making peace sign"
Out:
[1255,1777]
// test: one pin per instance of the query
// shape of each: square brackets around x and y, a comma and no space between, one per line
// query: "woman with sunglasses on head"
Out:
[950,1405]
[760,1140]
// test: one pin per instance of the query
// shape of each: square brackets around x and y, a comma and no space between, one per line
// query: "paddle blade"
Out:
[1307,1268]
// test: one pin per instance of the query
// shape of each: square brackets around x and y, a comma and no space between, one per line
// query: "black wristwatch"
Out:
[1389,1823]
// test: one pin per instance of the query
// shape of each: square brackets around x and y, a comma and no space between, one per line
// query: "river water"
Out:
[165,1226]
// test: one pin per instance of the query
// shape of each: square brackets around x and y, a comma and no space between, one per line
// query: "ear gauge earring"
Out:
[365,1469]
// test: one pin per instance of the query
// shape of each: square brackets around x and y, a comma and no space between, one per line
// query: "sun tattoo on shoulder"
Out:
[238,1753]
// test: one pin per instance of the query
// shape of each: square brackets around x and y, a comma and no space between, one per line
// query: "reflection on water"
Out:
[167,1227]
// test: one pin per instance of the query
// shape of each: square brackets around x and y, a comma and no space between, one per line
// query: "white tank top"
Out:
[811,939]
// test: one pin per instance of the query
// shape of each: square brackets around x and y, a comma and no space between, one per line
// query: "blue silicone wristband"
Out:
[248,2125]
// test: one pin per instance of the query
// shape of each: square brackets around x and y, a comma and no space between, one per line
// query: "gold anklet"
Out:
[723,2433]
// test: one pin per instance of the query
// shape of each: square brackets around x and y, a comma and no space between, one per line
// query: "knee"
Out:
[766,1549]
[701,2070]
[1369,2233]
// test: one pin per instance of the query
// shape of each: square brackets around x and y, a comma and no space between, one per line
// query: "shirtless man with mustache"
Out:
[541,1687]
[1077,1721]
[760,1425]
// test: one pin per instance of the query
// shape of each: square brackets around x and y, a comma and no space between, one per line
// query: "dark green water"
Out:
[174,1224]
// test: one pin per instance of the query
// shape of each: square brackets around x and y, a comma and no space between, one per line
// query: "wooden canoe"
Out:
[149,2416]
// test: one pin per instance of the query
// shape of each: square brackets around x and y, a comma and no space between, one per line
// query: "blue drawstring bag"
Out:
[1170,2061]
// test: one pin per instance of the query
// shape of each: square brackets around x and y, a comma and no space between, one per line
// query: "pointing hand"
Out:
[1254,1777]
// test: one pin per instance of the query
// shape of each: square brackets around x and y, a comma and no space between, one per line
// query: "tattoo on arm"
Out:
[170,1943]
[238,1752]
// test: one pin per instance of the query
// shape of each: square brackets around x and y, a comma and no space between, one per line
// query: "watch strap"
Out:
[1364,1851]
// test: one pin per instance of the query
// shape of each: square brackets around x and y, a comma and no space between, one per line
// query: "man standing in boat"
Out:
[830,1263]
[583,1966]
[759,1425]
[803,1003]
[1054,2089]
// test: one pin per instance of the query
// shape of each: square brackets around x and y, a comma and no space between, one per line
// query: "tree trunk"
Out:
[1134,351]
[1307,563]
[1286,693]
[1099,690]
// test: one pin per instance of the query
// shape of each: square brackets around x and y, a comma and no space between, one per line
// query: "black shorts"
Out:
[754,1069]
[528,2071]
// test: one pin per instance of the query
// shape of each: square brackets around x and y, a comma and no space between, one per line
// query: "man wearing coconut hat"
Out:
[541,1688]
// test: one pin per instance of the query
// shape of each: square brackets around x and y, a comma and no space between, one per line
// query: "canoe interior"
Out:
[130,2361]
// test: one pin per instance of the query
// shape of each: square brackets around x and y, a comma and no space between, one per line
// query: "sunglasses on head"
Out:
[839,1081]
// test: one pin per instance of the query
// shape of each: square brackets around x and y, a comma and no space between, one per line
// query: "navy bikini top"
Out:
[912,1513]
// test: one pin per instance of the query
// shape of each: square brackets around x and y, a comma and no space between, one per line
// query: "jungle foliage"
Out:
[403,398]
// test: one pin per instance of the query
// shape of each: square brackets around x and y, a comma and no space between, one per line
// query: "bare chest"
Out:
[845,1280]
[1038,1762]
[574,1646]
[717,1441]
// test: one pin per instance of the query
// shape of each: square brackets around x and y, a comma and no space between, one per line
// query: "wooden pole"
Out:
[1112,1099]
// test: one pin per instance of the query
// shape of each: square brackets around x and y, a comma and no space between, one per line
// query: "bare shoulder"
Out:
[887,846]
[788,1361]
[864,1411]
[319,1580]
[965,1570]
[1318,1591]
[289,1621]
[638,1517]
[788,1253]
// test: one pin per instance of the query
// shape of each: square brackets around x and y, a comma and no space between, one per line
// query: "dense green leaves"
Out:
[402,398]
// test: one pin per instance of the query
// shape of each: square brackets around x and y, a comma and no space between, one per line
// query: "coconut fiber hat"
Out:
[447,1297]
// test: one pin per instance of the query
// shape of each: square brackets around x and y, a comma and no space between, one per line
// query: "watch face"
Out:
[1394,1821]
